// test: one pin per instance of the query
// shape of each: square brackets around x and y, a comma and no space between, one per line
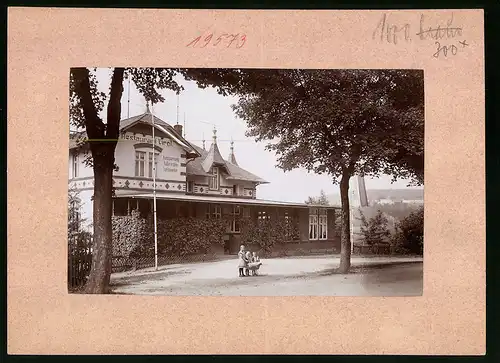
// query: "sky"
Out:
[205,109]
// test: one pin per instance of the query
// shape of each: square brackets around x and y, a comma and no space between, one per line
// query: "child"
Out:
[248,259]
[242,261]
[255,259]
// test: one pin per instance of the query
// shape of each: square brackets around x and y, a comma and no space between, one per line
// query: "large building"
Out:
[191,181]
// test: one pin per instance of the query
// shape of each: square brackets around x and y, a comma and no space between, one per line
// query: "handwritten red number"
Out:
[232,40]
[219,39]
[207,40]
[239,39]
[194,42]
[243,40]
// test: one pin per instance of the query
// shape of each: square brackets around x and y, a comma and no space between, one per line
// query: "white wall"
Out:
[169,161]
[87,208]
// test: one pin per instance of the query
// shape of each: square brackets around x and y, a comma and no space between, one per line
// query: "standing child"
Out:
[241,260]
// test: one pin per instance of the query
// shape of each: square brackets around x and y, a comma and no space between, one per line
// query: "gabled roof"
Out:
[145,118]
[195,167]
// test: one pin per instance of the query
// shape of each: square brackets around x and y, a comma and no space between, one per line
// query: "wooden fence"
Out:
[79,261]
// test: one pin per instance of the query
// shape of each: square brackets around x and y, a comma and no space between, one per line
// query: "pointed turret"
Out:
[232,158]
[214,157]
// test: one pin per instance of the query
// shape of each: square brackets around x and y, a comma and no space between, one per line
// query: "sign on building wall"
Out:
[171,164]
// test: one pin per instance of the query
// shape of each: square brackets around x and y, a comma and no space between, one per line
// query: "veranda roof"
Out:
[221,200]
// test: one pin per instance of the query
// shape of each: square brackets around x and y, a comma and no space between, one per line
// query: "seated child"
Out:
[255,263]
[248,259]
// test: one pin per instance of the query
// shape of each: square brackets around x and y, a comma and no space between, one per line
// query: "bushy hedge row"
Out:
[133,236]
[266,233]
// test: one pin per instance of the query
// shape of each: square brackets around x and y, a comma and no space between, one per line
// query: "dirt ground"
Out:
[313,276]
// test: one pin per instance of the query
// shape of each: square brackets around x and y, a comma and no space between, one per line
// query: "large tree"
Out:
[339,122]
[86,104]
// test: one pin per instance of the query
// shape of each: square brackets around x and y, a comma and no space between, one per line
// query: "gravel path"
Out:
[313,276]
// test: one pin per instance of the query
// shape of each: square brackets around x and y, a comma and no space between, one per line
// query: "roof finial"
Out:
[232,158]
[215,136]
[203,137]
[147,107]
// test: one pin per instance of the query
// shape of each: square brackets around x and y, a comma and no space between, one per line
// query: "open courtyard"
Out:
[314,276]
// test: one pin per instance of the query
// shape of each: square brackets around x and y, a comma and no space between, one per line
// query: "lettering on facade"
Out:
[146,139]
[171,164]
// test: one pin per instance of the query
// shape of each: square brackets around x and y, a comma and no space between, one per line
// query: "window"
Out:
[235,190]
[190,186]
[144,207]
[213,211]
[318,224]
[263,215]
[150,164]
[214,179]
[313,226]
[323,233]
[120,207]
[235,223]
[140,160]
[288,225]
[75,165]
[216,212]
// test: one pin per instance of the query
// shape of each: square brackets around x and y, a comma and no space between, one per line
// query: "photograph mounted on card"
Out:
[214,168]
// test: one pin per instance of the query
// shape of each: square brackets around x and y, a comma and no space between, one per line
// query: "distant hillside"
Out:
[378,194]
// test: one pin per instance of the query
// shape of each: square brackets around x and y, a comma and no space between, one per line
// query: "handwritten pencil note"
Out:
[223,40]
[448,37]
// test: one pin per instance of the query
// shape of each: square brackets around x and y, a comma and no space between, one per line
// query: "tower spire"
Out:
[232,158]
[214,137]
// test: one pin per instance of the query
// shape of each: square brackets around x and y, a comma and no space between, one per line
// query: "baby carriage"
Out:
[254,266]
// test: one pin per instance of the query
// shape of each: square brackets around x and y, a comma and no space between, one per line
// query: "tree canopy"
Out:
[330,121]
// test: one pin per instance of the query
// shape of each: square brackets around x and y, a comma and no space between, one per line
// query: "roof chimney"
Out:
[178,129]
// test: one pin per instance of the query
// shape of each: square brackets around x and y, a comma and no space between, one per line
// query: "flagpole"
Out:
[128,98]
[154,188]
[351,220]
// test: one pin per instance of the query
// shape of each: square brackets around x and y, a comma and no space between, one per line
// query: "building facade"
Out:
[191,181]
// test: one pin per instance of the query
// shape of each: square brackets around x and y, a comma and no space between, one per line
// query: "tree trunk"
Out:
[100,273]
[345,237]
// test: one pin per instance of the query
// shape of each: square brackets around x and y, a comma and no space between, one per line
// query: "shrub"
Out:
[409,236]
[375,230]
[184,236]
[130,234]
[265,233]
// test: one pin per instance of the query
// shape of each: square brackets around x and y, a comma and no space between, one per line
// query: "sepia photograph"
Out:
[246,182]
